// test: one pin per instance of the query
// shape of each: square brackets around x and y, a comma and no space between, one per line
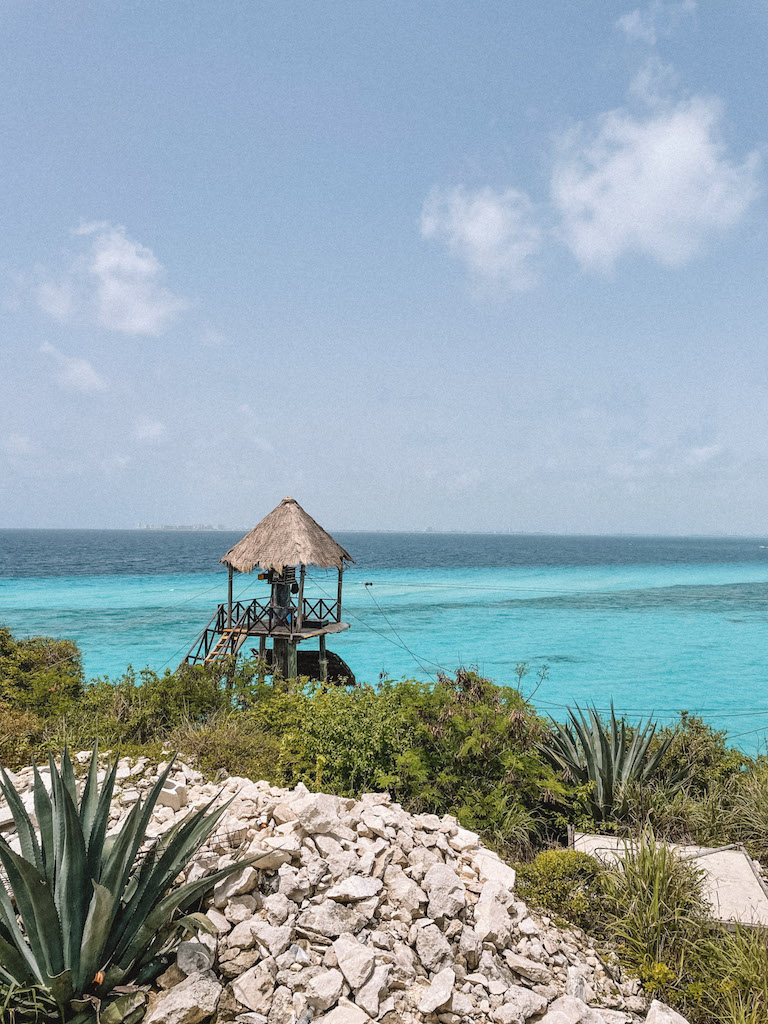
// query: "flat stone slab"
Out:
[730,882]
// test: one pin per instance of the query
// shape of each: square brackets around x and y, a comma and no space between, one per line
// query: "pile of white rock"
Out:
[356,911]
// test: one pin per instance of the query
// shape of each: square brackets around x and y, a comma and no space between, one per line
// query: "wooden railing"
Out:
[260,616]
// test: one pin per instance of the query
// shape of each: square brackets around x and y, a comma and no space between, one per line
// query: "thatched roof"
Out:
[287,536]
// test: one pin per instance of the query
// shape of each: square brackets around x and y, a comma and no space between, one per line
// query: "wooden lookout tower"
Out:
[282,546]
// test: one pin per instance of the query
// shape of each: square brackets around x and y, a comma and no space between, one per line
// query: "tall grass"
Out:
[658,905]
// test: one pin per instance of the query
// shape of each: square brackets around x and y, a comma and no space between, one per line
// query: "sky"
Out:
[497,266]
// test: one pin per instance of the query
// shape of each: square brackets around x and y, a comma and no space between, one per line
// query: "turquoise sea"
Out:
[653,624]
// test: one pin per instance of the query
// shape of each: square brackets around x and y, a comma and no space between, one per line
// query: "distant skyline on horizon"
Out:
[427,531]
[492,268]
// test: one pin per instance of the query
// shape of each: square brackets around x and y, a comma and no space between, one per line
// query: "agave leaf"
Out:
[68,775]
[185,842]
[11,931]
[60,986]
[90,798]
[100,823]
[14,969]
[30,848]
[72,883]
[44,815]
[588,750]
[94,936]
[132,950]
[144,815]
[122,1009]
[38,912]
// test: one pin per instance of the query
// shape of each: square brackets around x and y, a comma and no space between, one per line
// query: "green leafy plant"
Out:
[605,759]
[568,883]
[86,912]
[658,906]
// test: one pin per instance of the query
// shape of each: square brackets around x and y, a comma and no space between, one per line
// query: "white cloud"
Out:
[57,299]
[19,445]
[147,429]
[656,183]
[75,374]
[211,338]
[494,233]
[646,24]
[116,283]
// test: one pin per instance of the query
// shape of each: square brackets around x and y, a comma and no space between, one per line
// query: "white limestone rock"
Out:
[491,868]
[519,1004]
[324,989]
[189,1002]
[356,961]
[173,795]
[432,946]
[234,885]
[526,968]
[446,891]
[660,1013]
[355,888]
[256,987]
[193,958]
[345,1013]
[439,992]
[332,919]
[370,995]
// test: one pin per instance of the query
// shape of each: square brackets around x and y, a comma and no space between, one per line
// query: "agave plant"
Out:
[609,756]
[84,912]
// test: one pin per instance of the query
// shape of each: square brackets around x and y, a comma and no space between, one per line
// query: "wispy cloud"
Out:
[647,24]
[113,281]
[75,374]
[494,233]
[658,182]
[654,177]
[147,429]
[211,338]
[19,445]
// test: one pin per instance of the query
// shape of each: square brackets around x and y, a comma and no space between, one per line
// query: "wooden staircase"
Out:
[228,644]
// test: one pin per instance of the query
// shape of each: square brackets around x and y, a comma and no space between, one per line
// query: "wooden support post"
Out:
[338,597]
[300,614]
[285,660]
[323,660]
[262,657]
[229,598]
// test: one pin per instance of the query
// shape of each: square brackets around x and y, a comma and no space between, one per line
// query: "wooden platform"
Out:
[228,629]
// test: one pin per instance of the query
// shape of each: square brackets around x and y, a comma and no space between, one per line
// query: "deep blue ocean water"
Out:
[652,624]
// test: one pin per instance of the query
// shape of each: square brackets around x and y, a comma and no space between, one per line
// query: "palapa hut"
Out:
[286,540]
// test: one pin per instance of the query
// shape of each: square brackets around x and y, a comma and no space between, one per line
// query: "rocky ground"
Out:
[357,911]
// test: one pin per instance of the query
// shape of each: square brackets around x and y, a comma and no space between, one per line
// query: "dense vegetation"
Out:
[461,745]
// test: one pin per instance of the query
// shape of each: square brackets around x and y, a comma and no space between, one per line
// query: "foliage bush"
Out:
[39,674]
[567,883]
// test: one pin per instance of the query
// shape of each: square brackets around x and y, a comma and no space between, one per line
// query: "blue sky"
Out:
[492,266]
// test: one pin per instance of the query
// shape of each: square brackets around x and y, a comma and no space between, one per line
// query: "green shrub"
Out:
[699,754]
[749,812]
[21,732]
[656,900]
[232,741]
[567,883]
[39,674]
